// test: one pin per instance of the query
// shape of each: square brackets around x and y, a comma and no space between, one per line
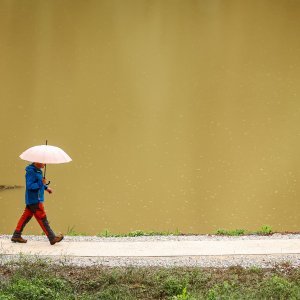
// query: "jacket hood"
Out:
[32,167]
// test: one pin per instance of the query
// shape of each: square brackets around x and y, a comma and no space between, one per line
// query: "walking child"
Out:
[34,199]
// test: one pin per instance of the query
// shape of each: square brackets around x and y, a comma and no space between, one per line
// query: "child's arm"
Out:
[33,182]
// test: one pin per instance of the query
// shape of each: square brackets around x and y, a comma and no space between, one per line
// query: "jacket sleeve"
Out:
[33,182]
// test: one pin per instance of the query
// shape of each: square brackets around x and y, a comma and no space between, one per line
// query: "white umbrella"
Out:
[46,154]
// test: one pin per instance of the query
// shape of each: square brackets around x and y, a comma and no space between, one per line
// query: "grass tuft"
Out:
[265,230]
[235,232]
[72,232]
[107,233]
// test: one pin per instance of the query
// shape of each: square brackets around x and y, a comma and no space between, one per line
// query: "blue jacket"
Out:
[34,185]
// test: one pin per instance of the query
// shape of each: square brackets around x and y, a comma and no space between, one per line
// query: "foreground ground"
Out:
[170,267]
[39,279]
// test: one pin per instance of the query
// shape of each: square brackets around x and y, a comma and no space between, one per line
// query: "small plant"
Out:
[235,232]
[71,232]
[177,232]
[277,287]
[174,286]
[224,290]
[105,233]
[136,233]
[183,296]
[265,230]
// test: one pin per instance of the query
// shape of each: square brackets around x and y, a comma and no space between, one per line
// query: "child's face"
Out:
[39,165]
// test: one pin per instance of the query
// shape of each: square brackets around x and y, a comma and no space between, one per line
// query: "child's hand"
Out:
[49,190]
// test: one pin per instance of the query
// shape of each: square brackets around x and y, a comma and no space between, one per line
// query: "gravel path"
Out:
[245,261]
[263,261]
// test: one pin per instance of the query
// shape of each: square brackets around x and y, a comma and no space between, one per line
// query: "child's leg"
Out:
[25,218]
[40,215]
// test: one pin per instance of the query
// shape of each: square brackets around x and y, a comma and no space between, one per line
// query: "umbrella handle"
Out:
[45,170]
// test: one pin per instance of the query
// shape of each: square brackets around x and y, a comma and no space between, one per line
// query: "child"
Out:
[34,198]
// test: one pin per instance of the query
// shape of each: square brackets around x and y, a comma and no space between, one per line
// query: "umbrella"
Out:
[46,154]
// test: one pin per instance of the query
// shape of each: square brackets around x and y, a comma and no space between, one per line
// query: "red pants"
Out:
[38,211]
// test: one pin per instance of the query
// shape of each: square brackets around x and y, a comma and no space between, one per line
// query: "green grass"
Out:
[71,232]
[265,230]
[39,279]
[235,232]
[107,233]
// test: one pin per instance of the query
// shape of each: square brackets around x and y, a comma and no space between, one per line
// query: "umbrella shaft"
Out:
[45,165]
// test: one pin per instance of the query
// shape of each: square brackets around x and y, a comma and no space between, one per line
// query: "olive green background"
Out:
[177,114]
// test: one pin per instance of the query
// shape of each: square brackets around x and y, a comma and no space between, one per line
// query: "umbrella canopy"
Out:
[46,154]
